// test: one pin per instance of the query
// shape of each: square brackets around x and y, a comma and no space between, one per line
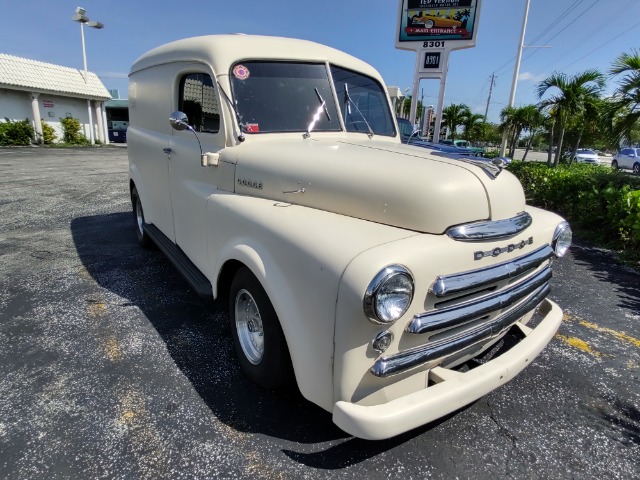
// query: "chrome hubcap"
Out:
[139,216]
[249,327]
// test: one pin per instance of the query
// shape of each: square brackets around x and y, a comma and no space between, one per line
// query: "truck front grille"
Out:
[473,308]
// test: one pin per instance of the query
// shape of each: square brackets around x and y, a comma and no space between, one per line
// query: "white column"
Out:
[98,112]
[35,108]
[92,138]
[105,125]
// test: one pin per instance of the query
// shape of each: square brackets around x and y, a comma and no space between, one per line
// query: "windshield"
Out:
[587,152]
[406,129]
[275,97]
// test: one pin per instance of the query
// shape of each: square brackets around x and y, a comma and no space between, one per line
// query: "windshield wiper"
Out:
[349,102]
[322,107]
[323,104]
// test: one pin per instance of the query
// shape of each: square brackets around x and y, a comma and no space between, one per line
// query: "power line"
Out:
[548,28]
[613,17]
[604,44]
[562,31]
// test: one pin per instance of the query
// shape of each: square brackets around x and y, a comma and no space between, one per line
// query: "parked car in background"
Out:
[627,158]
[479,151]
[408,135]
[584,155]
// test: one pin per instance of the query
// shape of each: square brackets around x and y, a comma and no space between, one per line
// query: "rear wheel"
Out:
[138,219]
[614,165]
[260,344]
[636,168]
[429,24]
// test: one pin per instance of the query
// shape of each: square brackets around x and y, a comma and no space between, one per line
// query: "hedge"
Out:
[16,132]
[604,205]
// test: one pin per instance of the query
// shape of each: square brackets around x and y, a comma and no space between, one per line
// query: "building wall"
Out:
[16,105]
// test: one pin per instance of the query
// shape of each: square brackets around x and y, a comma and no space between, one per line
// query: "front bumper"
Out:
[453,390]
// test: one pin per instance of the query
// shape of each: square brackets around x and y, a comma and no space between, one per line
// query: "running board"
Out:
[189,271]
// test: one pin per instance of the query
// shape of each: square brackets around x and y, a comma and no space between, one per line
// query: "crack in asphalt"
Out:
[505,431]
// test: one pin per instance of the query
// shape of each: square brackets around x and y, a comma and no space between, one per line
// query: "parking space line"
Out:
[619,335]
[580,344]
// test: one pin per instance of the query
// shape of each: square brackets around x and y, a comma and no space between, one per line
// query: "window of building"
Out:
[199,102]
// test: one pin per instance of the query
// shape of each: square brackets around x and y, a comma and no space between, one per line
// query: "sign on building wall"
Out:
[424,22]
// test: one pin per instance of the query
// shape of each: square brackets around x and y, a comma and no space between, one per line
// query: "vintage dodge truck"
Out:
[393,284]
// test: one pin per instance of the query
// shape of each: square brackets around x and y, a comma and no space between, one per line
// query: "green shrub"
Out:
[16,133]
[601,203]
[48,133]
[71,132]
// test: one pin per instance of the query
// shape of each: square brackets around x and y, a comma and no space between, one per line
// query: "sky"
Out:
[578,35]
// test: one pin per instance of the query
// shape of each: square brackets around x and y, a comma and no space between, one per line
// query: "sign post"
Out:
[433,28]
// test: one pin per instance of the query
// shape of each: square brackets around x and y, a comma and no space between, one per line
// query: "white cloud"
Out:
[531,77]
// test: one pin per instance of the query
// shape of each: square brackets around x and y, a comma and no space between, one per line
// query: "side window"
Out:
[197,98]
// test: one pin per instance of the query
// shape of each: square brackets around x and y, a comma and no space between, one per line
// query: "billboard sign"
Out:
[424,21]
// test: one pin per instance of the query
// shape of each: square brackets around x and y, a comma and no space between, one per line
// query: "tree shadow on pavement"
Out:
[605,267]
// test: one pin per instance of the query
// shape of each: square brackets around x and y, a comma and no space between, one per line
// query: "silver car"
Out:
[584,155]
[627,158]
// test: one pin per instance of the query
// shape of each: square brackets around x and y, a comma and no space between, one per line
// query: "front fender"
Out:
[299,255]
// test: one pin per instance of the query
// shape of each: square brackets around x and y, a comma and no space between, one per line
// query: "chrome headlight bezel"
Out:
[372,308]
[562,237]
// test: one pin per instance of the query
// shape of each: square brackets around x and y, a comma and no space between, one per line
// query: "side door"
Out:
[624,160]
[191,184]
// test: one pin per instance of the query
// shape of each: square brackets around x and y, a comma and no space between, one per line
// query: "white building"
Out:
[37,90]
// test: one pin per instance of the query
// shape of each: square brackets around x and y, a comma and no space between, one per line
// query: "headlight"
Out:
[389,294]
[561,239]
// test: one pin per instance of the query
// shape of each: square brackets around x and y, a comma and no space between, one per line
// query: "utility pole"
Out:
[516,71]
[493,84]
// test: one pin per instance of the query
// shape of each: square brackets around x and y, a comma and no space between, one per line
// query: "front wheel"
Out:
[614,165]
[138,219]
[259,341]
[636,168]
[429,24]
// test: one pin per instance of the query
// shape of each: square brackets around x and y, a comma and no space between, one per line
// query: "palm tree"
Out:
[626,99]
[513,121]
[570,101]
[453,116]
[472,126]
[533,121]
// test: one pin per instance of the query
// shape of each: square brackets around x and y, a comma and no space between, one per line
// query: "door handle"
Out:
[167,150]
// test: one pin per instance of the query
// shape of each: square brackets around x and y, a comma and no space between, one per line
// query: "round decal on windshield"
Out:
[241,72]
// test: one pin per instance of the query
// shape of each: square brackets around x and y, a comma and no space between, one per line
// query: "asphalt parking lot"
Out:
[111,367]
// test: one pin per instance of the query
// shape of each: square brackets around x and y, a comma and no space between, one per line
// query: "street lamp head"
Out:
[80,11]
[97,25]
[80,18]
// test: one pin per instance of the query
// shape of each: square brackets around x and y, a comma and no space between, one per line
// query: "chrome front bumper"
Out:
[452,390]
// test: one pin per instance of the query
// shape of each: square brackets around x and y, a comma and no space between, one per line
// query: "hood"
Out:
[378,180]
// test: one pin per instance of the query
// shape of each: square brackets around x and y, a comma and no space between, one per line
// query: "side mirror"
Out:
[179,121]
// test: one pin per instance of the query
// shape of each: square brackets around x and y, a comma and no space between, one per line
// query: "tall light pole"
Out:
[516,72]
[81,18]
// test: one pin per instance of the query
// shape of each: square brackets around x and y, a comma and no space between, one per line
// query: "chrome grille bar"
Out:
[386,366]
[459,282]
[465,312]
